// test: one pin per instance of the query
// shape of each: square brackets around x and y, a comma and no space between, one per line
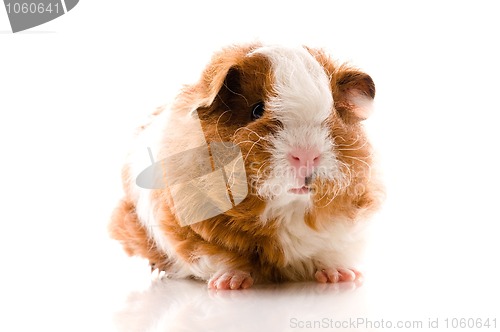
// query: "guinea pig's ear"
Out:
[224,76]
[353,93]
[222,72]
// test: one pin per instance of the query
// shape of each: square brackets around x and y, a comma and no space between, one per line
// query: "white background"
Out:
[73,90]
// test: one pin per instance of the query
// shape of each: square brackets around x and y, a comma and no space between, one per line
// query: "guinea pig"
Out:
[299,202]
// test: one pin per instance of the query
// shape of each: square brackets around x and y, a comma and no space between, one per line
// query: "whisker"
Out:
[251,132]
[343,139]
[236,93]
[233,171]
[336,193]
[249,141]
[248,153]
[358,159]
[217,125]
[258,171]
[222,101]
[364,162]
[347,168]
[326,192]
[359,148]
[340,184]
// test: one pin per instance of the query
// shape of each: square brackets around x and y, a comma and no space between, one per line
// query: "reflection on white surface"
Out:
[401,299]
[187,305]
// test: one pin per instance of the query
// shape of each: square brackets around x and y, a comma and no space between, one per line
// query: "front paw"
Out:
[333,275]
[231,280]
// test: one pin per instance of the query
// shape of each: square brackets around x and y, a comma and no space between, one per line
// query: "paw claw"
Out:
[231,280]
[331,275]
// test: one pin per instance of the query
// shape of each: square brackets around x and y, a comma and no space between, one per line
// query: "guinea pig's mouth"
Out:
[305,189]
[300,191]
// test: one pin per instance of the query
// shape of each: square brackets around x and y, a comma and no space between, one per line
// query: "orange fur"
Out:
[126,228]
[223,98]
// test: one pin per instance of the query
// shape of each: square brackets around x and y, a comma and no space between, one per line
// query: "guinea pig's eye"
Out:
[258,111]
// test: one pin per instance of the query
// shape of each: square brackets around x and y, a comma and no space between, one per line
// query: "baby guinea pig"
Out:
[291,199]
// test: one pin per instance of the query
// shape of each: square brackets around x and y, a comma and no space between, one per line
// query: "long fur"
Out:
[273,234]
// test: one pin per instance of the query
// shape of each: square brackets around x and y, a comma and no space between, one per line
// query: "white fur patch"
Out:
[302,103]
[339,245]
[303,90]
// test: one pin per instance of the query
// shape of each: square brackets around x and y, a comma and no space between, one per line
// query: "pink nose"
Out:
[303,161]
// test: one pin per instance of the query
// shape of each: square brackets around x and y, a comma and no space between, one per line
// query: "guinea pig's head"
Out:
[295,114]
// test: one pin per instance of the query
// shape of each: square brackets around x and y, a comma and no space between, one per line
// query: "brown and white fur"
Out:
[307,160]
